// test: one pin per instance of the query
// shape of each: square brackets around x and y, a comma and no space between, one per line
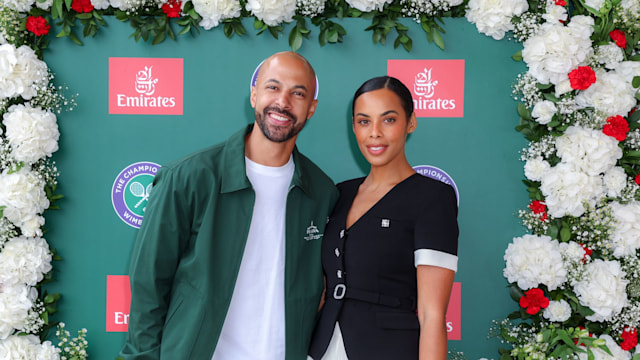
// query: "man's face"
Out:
[283,98]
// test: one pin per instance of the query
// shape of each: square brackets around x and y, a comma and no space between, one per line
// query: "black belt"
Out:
[341,291]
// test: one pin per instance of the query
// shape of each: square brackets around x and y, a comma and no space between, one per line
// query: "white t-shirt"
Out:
[254,327]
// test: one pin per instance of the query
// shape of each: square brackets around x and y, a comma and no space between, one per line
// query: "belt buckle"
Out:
[339,291]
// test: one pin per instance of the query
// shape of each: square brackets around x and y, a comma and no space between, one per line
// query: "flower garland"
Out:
[576,276]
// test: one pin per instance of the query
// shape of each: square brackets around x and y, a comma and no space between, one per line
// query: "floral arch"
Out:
[575,275]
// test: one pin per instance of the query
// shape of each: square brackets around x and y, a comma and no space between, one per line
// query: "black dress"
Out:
[371,267]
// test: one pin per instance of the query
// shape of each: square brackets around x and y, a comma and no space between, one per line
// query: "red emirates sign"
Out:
[118,303]
[151,86]
[454,318]
[437,86]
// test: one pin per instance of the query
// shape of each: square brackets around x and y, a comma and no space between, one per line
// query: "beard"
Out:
[277,133]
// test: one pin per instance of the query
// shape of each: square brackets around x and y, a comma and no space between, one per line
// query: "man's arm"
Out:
[154,260]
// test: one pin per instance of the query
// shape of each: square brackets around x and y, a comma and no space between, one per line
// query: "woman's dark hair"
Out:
[386,82]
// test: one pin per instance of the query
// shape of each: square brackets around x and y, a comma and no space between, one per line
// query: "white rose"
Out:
[272,12]
[24,261]
[602,289]
[493,17]
[15,302]
[543,111]
[22,193]
[557,311]
[214,11]
[626,234]
[610,94]
[566,189]
[614,181]
[32,133]
[534,169]
[532,260]
[588,150]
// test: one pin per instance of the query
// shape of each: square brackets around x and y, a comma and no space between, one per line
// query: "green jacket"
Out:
[188,252]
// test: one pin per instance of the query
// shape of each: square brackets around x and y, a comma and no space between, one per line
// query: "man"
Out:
[227,262]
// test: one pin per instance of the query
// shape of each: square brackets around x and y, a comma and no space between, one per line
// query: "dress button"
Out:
[337,252]
[341,234]
[339,273]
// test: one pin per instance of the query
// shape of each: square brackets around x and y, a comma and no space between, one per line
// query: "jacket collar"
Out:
[234,176]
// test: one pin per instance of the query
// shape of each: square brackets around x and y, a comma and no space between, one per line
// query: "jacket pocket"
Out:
[183,324]
[397,320]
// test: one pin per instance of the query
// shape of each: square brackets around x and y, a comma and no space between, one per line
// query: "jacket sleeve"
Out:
[155,257]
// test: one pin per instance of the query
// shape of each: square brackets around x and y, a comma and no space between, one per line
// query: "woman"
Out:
[390,249]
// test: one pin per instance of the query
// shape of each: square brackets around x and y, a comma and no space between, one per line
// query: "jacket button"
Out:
[339,273]
[337,252]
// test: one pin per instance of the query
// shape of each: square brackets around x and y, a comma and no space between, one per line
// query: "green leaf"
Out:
[332,36]
[158,38]
[517,56]
[2,210]
[295,39]
[636,82]
[565,234]
[438,40]
[515,293]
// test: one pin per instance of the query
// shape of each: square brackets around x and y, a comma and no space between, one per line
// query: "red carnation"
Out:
[618,37]
[561,3]
[38,25]
[616,127]
[534,300]
[582,77]
[539,207]
[637,179]
[82,6]
[629,338]
[172,8]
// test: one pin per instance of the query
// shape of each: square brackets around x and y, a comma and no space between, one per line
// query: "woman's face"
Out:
[381,126]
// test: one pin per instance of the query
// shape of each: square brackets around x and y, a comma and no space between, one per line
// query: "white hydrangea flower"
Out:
[628,70]
[44,5]
[32,132]
[572,252]
[610,55]
[21,72]
[614,181]
[100,4]
[543,111]
[272,12]
[532,260]
[616,351]
[626,234]
[493,17]
[22,193]
[557,311]
[368,5]
[557,49]
[610,94]
[563,87]
[24,261]
[566,189]
[27,347]
[19,5]
[535,168]
[15,303]
[588,150]
[214,11]
[555,13]
[602,288]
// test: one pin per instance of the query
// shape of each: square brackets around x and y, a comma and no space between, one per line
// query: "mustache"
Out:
[281,111]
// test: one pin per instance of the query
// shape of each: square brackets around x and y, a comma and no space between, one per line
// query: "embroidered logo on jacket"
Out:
[313,233]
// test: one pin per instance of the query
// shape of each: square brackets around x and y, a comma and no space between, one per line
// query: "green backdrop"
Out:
[480,151]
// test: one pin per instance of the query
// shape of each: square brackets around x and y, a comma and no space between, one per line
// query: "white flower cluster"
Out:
[603,289]
[32,133]
[21,72]
[534,260]
[272,12]
[598,354]
[22,194]
[493,17]
[611,94]
[368,5]
[27,347]
[416,8]
[557,49]
[214,11]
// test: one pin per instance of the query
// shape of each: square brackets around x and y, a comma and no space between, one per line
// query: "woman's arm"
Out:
[434,289]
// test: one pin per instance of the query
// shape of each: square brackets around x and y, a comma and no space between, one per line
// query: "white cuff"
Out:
[436,258]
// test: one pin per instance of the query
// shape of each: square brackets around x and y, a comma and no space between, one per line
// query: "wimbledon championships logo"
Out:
[131,190]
